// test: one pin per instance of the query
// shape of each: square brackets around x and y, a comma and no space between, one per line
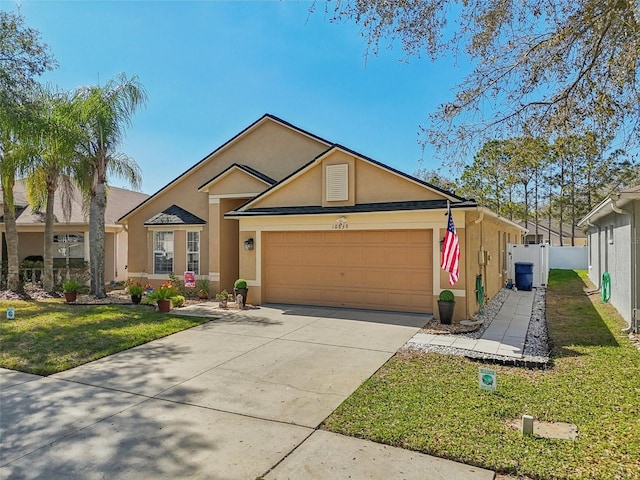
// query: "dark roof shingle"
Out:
[175,215]
[358,208]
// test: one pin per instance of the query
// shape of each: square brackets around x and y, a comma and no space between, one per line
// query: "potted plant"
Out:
[223,298]
[162,296]
[202,288]
[70,288]
[446,304]
[240,288]
[135,290]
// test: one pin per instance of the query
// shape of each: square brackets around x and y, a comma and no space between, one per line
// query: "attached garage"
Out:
[371,269]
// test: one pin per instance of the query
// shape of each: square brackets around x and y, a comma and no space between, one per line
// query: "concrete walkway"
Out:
[237,398]
[505,336]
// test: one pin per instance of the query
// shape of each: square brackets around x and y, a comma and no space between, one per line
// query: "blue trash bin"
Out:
[524,275]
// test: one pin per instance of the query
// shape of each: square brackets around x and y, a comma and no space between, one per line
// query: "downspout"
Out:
[589,224]
[483,268]
[633,326]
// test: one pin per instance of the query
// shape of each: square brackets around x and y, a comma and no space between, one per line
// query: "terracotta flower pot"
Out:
[164,306]
[70,297]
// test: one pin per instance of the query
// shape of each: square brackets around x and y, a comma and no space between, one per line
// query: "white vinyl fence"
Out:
[545,257]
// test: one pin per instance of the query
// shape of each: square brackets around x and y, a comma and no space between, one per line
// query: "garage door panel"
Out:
[360,269]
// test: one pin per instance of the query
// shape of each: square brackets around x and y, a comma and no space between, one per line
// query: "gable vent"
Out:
[337,181]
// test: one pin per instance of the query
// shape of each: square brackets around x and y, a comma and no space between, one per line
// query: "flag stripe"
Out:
[451,252]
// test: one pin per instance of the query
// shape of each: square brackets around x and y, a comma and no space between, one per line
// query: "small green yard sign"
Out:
[487,379]
[11,313]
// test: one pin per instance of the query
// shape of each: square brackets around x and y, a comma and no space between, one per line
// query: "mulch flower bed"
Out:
[436,328]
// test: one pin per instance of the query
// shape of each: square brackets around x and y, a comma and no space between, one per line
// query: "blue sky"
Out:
[211,68]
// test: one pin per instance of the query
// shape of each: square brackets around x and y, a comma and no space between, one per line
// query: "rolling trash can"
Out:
[524,275]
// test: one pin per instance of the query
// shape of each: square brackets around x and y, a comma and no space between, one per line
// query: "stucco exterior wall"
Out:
[612,254]
[229,245]
[368,183]
[109,257]
[271,148]
[485,233]
[235,182]
[302,191]
[373,184]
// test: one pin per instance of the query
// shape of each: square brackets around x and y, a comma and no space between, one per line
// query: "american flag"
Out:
[451,250]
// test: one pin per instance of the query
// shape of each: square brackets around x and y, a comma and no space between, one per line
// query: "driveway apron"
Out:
[228,399]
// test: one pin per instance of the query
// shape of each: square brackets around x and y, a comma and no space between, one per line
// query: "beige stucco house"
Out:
[306,221]
[71,229]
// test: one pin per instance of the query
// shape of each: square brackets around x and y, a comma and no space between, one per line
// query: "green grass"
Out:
[48,336]
[431,403]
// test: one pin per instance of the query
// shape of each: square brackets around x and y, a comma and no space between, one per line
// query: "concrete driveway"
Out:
[229,399]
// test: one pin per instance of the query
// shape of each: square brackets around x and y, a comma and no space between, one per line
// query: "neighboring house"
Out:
[71,238]
[306,221]
[614,249]
[550,233]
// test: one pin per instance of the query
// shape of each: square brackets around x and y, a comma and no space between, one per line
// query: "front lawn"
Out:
[49,336]
[431,403]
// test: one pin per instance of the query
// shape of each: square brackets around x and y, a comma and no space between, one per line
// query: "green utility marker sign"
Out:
[487,379]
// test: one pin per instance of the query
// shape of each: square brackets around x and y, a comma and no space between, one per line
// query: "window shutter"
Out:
[337,181]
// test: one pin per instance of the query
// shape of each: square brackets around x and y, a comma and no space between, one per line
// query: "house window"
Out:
[162,252]
[68,245]
[337,181]
[193,252]
[610,234]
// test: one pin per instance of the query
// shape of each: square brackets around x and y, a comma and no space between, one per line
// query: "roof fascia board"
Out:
[597,212]
[493,214]
[237,214]
[228,172]
[233,195]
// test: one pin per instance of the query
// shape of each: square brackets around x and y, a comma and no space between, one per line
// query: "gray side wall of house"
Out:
[610,251]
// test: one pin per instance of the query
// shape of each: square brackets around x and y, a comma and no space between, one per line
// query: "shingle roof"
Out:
[175,215]
[119,201]
[359,208]
[543,224]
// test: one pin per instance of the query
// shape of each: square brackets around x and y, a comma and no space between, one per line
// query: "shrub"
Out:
[447,296]
[223,295]
[177,301]
[202,285]
[71,285]
[163,292]
[135,288]
[240,284]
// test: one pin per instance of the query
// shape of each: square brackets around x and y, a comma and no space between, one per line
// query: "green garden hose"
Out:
[479,290]
[606,287]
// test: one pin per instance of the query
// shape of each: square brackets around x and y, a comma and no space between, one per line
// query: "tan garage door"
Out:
[386,270]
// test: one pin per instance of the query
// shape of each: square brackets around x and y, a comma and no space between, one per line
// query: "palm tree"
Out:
[8,178]
[105,112]
[16,133]
[52,166]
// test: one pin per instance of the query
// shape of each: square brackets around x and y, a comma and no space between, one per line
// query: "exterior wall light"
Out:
[248,244]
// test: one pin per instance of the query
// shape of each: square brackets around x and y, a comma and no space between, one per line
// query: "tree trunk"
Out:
[11,234]
[560,228]
[536,204]
[97,240]
[47,275]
